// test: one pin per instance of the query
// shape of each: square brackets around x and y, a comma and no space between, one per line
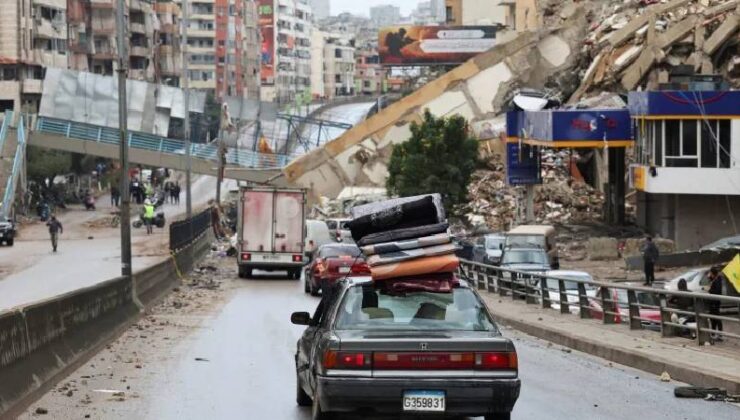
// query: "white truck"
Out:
[271,230]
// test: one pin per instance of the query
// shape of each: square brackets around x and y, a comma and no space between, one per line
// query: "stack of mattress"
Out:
[404,237]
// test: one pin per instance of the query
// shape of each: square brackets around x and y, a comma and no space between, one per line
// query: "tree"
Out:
[44,163]
[439,157]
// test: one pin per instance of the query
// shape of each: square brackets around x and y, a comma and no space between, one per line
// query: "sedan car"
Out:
[7,231]
[489,249]
[697,280]
[333,262]
[397,346]
[650,317]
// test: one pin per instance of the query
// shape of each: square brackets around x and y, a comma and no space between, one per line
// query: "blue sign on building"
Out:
[685,103]
[523,164]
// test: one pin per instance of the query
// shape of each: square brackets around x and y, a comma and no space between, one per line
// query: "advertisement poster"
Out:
[267,30]
[424,45]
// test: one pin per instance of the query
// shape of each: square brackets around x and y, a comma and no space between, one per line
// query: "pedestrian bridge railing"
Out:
[144,141]
[669,312]
[6,207]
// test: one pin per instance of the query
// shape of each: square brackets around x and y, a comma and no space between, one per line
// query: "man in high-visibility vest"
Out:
[149,216]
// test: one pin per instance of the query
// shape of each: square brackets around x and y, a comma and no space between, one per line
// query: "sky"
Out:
[362,7]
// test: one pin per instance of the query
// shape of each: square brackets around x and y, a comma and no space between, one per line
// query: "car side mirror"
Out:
[300,318]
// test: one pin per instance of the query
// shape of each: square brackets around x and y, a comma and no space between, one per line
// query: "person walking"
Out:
[55,229]
[650,255]
[176,191]
[149,216]
[715,288]
[115,196]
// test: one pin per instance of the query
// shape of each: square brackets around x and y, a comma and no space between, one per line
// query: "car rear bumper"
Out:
[471,397]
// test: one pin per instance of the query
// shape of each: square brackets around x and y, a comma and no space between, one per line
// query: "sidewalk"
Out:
[683,359]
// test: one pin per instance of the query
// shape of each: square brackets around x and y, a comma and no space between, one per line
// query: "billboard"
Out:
[424,45]
[266,23]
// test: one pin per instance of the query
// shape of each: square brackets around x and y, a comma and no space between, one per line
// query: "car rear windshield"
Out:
[494,242]
[339,251]
[369,307]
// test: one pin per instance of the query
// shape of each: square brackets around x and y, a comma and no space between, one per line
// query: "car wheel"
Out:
[314,290]
[317,413]
[9,242]
[305,285]
[301,398]
[296,274]
[498,416]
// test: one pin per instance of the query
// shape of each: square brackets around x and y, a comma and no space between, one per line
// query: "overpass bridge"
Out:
[153,150]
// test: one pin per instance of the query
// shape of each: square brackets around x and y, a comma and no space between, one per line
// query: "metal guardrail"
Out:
[534,289]
[144,141]
[182,233]
[18,160]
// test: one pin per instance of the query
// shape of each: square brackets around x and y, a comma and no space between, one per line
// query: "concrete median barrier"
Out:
[43,342]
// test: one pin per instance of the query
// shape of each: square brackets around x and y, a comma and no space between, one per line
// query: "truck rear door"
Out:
[289,222]
[257,222]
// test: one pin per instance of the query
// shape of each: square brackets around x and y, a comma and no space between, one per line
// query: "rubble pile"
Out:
[635,44]
[560,199]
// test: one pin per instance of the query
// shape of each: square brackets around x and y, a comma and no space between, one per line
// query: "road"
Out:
[31,272]
[233,358]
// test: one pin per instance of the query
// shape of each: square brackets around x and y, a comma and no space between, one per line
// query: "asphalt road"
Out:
[249,346]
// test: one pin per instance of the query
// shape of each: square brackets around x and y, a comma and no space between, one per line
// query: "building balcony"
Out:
[32,86]
[137,74]
[202,33]
[169,28]
[100,29]
[202,16]
[138,28]
[104,54]
[136,5]
[140,51]
[102,4]
[10,89]
[44,28]
[48,58]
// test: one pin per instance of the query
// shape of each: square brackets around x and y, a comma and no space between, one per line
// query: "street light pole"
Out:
[123,151]
[186,87]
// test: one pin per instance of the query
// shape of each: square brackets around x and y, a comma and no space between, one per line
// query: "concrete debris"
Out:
[562,198]
[42,410]
[630,44]
[665,377]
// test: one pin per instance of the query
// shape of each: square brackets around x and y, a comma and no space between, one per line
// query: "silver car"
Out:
[399,347]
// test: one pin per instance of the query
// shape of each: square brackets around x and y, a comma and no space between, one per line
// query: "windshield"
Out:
[367,307]
[339,251]
[525,240]
[493,242]
[524,256]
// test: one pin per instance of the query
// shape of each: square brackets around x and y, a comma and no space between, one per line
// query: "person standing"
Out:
[149,216]
[650,256]
[55,229]
[115,196]
[176,191]
[715,288]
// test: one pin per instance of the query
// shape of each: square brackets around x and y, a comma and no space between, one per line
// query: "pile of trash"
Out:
[637,43]
[561,199]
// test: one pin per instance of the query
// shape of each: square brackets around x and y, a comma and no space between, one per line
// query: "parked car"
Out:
[696,280]
[7,232]
[400,347]
[333,262]
[571,288]
[339,231]
[489,249]
[317,234]
[651,317]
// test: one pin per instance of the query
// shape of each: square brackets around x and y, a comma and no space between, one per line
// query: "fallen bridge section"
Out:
[151,150]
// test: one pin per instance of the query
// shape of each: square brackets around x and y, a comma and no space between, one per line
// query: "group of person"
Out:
[650,256]
[172,192]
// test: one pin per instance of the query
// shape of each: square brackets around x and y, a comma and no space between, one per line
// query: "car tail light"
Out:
[297,258]
[246,256]
[497,360]
[346,360]
[360,268]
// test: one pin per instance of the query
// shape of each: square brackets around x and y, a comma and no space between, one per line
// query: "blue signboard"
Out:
[523,164]
[677,103]
[578,125]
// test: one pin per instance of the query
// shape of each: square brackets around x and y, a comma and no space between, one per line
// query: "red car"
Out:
[332,263]
[650,317]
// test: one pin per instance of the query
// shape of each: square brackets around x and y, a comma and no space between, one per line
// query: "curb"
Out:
[636,360]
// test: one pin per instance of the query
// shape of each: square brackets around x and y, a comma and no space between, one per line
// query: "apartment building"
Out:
[385,15]
[33,35]
[370,75]
[332,64]
[519,15]
[167,47]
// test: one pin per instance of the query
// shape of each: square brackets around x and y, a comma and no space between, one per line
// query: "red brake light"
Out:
[346,360]
[297,258]
[246,256]
[498,360]
[360,268]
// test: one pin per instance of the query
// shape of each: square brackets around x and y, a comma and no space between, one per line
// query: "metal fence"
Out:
[596,299]
[18,161]
[184,232]
[151,142]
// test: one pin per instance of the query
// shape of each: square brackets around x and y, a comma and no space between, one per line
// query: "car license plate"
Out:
[270,257]
[433,401]
[344,270]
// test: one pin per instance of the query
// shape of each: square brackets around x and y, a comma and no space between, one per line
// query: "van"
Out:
[542,236]
[317,234]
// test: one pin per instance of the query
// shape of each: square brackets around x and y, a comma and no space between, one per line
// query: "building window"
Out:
[691,143]
[337,53]
[709,150]
[724,143]
[448,14]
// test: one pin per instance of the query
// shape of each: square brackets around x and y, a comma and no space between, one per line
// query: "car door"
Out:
[307,343]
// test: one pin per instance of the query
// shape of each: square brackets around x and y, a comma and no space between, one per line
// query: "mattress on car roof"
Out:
[418,212]
[424,241]
[403,234]
[425,265]
[410,254]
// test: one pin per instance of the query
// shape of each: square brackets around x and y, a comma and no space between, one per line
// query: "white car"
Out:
[696,280]
[571,288]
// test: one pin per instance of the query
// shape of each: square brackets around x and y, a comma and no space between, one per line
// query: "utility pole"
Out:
[123,152]
[186,87]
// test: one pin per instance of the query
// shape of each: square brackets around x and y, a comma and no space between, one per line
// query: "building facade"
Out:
[321,9]
[370,75]
[520,15]
[686,173]
[385,15]
[334,60]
